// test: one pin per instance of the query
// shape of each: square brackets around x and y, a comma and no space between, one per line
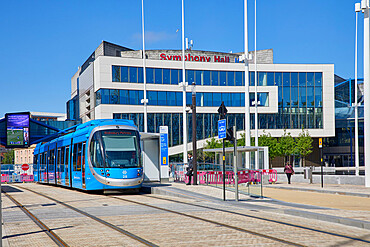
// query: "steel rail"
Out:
[212,222]
[38,222]
[129,234]
[262,218]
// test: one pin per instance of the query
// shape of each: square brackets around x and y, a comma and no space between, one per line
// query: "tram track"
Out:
[280,240]
[262,218]
[112,226]
[217,223]
[44,228]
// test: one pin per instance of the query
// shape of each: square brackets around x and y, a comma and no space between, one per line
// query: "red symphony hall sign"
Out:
[191,58]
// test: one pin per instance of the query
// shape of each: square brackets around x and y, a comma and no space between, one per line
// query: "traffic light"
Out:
[230,134]
[222,110]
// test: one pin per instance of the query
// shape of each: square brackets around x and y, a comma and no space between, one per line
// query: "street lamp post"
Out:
[365,8]
[145,100]
[256,155]
[184,130]
[357,153]
[246,82]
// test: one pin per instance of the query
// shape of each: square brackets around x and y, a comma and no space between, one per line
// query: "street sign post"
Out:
[222,129]
[25,167]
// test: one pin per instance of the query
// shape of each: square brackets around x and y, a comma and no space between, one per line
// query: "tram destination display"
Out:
[17,129]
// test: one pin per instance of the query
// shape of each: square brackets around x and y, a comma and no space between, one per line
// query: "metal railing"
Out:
[14,174]
[249,181]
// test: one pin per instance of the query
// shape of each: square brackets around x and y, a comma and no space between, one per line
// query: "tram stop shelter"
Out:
[241,150]
[153,170]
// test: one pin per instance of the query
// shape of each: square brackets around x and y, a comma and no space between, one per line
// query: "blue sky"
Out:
[43,42]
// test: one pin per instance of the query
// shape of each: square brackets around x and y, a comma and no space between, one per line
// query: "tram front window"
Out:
[121,148]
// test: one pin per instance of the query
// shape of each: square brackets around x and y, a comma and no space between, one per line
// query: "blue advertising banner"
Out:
[164,145]
[222,129]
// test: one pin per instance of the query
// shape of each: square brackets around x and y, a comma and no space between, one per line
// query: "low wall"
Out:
[328,179]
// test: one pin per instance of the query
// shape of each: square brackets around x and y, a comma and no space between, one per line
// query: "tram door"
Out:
[66,166]
[83,165]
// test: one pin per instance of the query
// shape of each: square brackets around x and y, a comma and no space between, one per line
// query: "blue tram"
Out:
[96,155]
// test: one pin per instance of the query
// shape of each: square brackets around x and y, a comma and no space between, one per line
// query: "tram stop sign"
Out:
[25,167]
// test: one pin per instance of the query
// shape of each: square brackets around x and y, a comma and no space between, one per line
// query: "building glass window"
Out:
[158,76]
[123,97]
[124,74]
[116,74]
[222,78]
[105,96]
[114,96]
[278,79]
[270,79]
[190,77]
[214,78]
[162,98]
[178,99]
[175,77]
[206,78]
[302,97]
[310,97]
[188,98]
[217,99]
[318,79]
[171,98]
[252,79]
[97,98]
[318,96]
[294,79]
[230,78]
[166,76]
[238,78]
[286,79]
[262,79]
[207,99]
[133,74]
[310,79]
[226,98]
[152,97]
[236,99]
[286,96]
[302,79]
[149,75]
[294,97]
[133,97]
[140,75]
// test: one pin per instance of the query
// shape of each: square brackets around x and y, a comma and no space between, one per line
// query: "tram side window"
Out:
[74,155]
[51,160]
[83,153]
[79,154]
[58,157]
[67,155]
[62,151]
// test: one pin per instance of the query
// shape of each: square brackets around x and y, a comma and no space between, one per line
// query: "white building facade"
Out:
[290,96]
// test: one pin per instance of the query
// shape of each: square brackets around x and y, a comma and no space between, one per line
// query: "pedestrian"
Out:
[289,171]
[189,169]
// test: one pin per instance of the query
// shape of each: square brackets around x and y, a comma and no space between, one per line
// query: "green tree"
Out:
[267,140]
[286,146]
[304,145]
[211,144]
[8,157]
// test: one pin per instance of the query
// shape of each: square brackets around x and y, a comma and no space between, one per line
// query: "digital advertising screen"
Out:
[17,130]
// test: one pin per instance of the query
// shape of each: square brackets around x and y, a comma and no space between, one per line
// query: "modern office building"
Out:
[291,97]
[339,151]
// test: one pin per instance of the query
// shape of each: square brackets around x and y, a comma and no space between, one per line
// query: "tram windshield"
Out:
[120,149]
